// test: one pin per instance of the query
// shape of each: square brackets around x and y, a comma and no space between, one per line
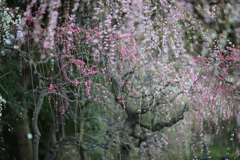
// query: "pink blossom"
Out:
[73,60]
[80,62]
[52,88]
[221,79]
[75,82]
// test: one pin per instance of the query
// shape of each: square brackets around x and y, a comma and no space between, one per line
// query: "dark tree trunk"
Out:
[127,131]
[125,153]
[22,127]
[24,144]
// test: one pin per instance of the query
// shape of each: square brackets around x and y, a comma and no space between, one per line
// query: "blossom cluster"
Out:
[9,18]
[1,102]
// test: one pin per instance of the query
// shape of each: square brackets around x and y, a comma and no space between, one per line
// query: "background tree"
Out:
[119,73]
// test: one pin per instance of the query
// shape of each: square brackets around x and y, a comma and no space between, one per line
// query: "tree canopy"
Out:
[91,79]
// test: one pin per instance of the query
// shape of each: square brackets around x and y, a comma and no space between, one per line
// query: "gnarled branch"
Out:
[157,126]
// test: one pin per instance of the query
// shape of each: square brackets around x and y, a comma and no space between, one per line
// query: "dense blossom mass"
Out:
[121,79]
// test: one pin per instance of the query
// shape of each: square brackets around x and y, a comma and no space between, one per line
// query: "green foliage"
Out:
[46,120]
[9,81]
[7,151]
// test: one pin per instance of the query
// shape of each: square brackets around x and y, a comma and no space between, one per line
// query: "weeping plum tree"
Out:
[114,78]
[219,85]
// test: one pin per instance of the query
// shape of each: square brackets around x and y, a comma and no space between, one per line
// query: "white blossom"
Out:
[1,101]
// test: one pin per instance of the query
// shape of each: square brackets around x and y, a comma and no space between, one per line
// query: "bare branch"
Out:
[160,125]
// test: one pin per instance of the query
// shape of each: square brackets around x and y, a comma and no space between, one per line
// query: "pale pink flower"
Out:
[52,88]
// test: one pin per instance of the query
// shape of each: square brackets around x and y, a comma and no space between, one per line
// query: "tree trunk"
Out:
[22,127]
[220,141]
[127,131]
[125,152]
[24,144]
[82,152]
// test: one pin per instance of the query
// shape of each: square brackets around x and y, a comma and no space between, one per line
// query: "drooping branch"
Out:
[218,27]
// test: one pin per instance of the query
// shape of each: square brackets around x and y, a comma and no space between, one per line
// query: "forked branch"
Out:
[157,126]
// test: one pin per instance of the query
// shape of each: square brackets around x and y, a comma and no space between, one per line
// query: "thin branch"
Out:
[87,99]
